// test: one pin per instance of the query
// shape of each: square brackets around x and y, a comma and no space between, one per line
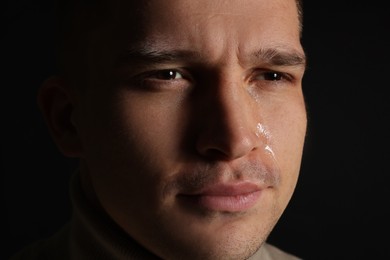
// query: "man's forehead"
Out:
[158,30]
[134,10]
[123,9]
[142,16]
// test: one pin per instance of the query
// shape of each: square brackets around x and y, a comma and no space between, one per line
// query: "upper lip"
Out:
[222,179]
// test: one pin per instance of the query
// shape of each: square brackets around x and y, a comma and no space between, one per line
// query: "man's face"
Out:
[193,144]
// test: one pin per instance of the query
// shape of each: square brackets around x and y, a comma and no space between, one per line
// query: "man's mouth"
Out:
[225,197]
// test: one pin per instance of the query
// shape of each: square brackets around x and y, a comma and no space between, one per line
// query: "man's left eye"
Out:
[167,74]
[271,76]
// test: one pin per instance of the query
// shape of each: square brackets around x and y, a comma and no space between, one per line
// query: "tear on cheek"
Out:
[262,132]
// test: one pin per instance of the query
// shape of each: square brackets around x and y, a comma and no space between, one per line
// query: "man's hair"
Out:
[77,20]
[300,14]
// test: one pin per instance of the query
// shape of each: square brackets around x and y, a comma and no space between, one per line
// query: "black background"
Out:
[340,207]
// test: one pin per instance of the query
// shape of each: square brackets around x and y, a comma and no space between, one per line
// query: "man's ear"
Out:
[57,105]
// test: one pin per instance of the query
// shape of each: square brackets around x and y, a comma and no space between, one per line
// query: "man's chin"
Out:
[226,246]
[222,236]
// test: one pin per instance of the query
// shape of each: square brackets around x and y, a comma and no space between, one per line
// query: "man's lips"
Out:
[225,197]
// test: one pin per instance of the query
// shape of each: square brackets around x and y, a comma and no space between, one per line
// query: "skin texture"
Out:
[183,96]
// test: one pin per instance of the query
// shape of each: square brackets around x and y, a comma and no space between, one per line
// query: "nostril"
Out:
[225,147]
[214,154]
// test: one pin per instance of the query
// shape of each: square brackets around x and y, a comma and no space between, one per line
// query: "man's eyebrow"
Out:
[280,57]
[154,55]
[271,56]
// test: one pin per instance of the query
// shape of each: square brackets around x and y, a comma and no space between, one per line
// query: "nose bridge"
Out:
[231,120]
[231,100]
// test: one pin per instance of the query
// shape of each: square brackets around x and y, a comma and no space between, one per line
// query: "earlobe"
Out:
[57,105]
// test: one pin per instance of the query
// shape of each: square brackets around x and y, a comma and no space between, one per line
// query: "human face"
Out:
[193,145]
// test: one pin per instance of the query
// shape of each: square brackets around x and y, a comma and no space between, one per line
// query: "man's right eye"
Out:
[167,74]
[161,79]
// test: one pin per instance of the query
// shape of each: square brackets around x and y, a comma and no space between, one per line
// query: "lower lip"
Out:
[234,203]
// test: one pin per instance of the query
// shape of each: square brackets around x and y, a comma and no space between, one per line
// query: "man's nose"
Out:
[229,121]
